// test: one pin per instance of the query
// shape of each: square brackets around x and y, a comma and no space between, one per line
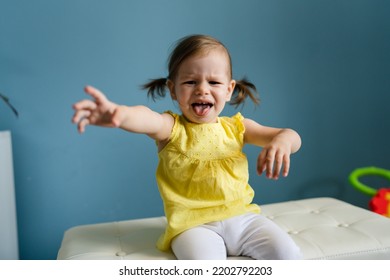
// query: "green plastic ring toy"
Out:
[354,178]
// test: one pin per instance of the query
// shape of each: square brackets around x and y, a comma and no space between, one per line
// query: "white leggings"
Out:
[251,235]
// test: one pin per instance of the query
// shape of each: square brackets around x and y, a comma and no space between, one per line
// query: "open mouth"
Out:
[201,108]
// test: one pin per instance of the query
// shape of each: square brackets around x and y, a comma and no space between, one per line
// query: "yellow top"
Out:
[203,175]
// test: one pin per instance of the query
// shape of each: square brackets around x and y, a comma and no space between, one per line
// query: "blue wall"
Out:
[322,67]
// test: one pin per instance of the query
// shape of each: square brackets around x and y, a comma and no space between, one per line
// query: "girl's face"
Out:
[203,86]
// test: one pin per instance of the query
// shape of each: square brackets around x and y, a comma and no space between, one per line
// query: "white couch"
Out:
[324,228]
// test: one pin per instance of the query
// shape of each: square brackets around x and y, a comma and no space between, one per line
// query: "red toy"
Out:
[380,202]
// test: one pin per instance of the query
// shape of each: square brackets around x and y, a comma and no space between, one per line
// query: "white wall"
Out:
[8,227]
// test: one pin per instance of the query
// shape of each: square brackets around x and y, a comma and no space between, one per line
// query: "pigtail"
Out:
[242,90]
[156,88]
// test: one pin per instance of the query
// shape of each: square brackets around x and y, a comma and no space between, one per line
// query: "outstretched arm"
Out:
[278,144]
[138,119]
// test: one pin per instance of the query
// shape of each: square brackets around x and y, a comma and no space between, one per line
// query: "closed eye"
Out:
[214,83]
[189,83]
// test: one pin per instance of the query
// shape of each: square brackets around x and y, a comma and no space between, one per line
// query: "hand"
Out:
[273,157]
[99,111]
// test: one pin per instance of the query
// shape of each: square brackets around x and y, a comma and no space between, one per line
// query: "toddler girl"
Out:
[202,173]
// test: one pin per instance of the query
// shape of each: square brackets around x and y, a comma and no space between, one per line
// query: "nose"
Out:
[202,88]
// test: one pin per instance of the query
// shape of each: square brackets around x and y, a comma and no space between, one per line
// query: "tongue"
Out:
[201,109]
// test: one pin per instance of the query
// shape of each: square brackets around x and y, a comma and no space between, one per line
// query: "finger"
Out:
[261,162]
[82,124]
[270,162]
[85,105]
[79,115]
[286,164]
[95,93]
[278,160]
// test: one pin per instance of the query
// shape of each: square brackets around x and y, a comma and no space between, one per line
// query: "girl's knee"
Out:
[199,244]
[269,241]
[288,251]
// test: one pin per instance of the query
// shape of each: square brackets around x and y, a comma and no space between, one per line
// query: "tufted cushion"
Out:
[324,228]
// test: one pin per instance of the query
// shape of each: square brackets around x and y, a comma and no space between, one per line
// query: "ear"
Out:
[171,87]
[230,88]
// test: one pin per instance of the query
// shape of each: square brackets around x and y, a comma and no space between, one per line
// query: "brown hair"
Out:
[192,45]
